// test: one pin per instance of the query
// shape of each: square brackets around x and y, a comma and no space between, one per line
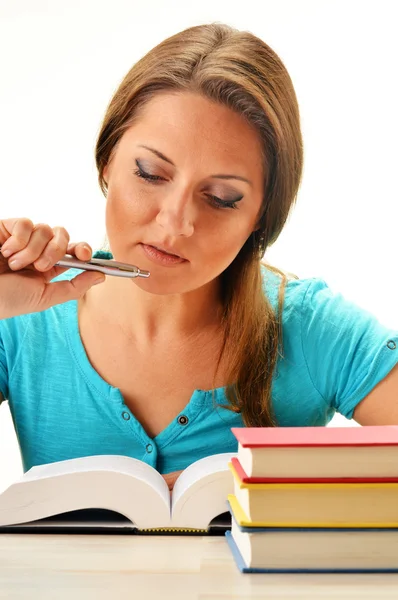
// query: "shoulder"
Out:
[294,292]
[316,315]
[335,351]
[26,342]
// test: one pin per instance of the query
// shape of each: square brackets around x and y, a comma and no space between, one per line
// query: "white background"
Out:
[62,61]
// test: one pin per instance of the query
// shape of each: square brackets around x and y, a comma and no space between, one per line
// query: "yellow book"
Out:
[316,504]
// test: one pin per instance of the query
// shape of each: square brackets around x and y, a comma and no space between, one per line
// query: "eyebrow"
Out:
[218,176]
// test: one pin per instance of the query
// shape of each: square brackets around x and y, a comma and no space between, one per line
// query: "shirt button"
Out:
[125,416]
[182,420]
[149,448]
[391,344]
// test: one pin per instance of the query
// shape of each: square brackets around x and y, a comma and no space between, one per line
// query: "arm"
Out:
[380,407]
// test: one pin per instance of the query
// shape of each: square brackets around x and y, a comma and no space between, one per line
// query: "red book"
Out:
[376,435]
[325,454]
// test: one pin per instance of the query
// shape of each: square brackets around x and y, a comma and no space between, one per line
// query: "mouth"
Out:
[168,252]
[158,254]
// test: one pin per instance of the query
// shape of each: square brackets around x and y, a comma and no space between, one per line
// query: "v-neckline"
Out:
[111,393]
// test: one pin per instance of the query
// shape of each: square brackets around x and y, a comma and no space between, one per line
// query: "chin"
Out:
[160,288]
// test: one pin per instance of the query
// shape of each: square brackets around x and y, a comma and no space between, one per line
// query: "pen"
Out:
[109,267]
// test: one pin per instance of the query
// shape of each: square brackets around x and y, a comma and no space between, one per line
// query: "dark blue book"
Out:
[313,550]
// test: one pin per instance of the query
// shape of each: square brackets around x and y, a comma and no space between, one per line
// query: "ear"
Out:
[105,174]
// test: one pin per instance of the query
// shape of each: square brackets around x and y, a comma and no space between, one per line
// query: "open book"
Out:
[124,485]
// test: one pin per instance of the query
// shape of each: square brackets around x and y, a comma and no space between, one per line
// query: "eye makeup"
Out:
[214,200]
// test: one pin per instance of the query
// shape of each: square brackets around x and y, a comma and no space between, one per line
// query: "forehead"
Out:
[185,121]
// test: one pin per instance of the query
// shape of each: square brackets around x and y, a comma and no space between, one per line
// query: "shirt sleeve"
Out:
[346,348]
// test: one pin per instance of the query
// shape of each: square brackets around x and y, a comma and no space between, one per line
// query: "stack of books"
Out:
[315,499]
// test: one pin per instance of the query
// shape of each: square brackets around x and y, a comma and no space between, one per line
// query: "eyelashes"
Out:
[214,200]
[140,173]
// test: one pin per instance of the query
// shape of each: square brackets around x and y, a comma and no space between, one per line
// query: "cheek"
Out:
[128,206]
[224,244]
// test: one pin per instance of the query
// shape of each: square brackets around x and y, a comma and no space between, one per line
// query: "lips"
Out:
[166,251]
[162,250]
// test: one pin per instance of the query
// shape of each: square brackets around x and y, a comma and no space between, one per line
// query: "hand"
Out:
[25,287]
[170,478]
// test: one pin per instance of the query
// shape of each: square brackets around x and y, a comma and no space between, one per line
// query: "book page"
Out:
[200,492]
[125,485]
[101,462]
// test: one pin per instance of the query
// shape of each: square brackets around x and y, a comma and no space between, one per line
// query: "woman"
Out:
[200,158]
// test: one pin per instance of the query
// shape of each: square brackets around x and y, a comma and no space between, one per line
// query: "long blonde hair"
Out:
[236,69]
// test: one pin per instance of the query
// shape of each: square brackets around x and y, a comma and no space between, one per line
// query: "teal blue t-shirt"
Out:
[334,355]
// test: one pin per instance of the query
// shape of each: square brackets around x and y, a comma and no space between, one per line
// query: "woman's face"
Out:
[186,178]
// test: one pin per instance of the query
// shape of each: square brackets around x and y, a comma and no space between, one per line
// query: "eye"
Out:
[214,200]
[218,203]
[140,173]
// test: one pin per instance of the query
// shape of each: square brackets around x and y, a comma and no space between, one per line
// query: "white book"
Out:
[124,485]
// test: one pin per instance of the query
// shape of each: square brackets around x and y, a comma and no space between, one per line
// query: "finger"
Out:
[39,239]
[82,250]
[6,227]
[63,291]
[52,273]
[54,250]
[15,234]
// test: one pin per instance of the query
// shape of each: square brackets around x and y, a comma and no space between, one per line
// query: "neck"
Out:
[147,317]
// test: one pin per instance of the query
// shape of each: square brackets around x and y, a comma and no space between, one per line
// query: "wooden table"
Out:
[55,566]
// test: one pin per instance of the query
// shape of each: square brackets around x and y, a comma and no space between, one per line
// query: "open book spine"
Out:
[173,530]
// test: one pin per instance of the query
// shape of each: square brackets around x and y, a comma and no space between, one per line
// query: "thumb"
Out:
[73,289]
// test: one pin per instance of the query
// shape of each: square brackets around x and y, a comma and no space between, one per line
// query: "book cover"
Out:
[246,479]
[372,435]
[370,505]
[245,569]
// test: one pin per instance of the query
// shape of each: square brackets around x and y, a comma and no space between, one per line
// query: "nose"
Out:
[176,215]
